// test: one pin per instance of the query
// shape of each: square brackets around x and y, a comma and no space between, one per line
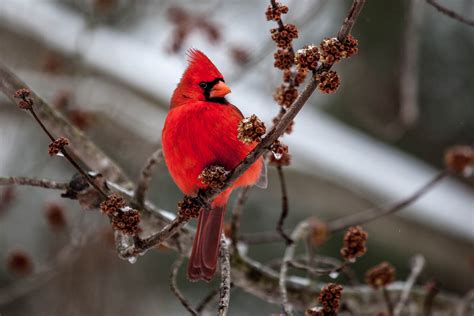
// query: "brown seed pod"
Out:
[329,81]
[380,275]
[354,243]
[250,129]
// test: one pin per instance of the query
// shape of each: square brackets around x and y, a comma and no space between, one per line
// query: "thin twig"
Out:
[207,299]
[450,13]
[350,20]
[145,176]
[224,292]
[34,182]
[315,271]
[417,267]
[284,206]
[409,109]
[235,219]
[67,155]
[377,212]
[299,233]
[388,301]
[174,287]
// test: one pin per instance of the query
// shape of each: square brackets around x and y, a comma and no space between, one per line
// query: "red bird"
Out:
[200,131]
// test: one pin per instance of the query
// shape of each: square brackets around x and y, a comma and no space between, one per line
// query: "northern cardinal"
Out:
[200,131]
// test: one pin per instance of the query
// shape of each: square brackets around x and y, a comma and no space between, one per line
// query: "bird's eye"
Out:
[203,85]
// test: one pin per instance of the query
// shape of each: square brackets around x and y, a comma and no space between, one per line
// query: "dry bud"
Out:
[329,81]
[126,220]
[213,176]
[300,76]
[22,93]
[330,298]
[318,231]
[188,208]
[55,147]
[307,57]
[280,155]
[380,275]
[459,158]
[55,216]
[25,103]
[284,161]
[354,243]
[278,148]
[123,218]
[274,13]
[112,204]
[284,37]
[283,59]
[19,263]
[285,95]
[250,129]
[332,51]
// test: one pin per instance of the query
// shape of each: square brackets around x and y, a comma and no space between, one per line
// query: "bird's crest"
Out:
[199,64]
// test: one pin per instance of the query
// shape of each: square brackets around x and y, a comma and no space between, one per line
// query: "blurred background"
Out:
[110,67]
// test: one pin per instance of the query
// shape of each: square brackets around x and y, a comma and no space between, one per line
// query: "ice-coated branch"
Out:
[224,290]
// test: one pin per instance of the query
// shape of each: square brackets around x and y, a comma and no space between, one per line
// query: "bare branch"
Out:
[145,176]
[450,13]
[284,206]
[377,212]
[34,182]
[409,64]
[207,299]
[236,214]
[350,20]
[224,291]
[174,287]
[417,267]
[388,300]
[300,232]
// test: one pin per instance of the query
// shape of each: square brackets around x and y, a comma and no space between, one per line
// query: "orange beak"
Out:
[219,90]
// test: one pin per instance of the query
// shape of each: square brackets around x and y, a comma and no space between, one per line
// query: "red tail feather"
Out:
[203,260]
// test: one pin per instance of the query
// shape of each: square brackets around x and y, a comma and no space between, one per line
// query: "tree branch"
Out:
[224,291]
[299,233]
[377,212]
[417,267]
[450,13]
[284,206]
[145,176]
[34,182]
[174,287]
[236,214]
